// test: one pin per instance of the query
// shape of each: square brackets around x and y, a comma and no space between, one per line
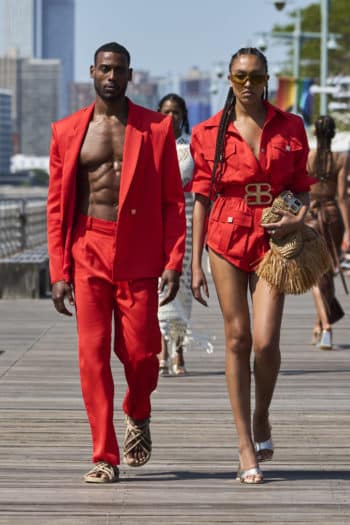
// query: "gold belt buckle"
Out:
[258,193]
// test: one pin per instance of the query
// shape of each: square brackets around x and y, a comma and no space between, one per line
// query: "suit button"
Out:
[133,211]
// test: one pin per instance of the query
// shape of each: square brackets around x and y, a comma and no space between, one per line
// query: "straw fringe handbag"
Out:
[294,263]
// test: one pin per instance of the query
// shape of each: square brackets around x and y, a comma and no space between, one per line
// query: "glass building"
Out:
[57,40]
[39,104]
[41,29]
[5,131]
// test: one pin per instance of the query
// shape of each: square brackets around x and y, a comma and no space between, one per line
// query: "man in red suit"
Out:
[116,223]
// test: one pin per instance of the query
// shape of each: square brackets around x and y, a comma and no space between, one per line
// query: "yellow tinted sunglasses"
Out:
[254,78]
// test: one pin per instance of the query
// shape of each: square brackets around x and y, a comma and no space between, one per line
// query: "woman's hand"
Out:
[346,242]
[199,281]
[287,224]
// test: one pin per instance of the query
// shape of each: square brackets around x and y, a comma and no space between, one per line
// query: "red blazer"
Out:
[151,225]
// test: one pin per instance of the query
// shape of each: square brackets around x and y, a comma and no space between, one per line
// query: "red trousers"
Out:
[132,305]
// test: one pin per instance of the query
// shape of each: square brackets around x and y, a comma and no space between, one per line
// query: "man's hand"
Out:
[171,280]
[61,290]
[199,281]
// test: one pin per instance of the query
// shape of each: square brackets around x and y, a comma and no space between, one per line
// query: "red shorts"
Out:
[235,232]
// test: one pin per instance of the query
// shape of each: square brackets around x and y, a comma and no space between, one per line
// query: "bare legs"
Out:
[164,359]
[231,286]
[322,317]
[267,314]
[177,364]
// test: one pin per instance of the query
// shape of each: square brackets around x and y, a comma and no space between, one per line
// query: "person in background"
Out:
[174,317]
[116,223]
[329,214]
[244,157]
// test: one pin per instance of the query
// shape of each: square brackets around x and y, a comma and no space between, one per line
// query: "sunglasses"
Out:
[254,78]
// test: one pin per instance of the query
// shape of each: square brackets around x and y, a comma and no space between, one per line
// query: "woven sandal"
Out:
[137,438]
[102,472]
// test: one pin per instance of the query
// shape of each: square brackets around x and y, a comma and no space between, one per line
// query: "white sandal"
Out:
[249,476]
[264,450]
[325,342]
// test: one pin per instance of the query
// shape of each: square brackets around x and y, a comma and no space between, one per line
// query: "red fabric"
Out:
[132,305]
[234,229]
[151,221]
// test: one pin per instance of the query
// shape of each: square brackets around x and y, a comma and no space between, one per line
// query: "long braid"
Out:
[227,115]
[325,131]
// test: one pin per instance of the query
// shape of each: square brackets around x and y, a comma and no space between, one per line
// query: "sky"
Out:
[168,38]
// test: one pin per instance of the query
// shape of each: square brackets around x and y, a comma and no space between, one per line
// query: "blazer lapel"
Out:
[74,141]
[132,146]
[75,138]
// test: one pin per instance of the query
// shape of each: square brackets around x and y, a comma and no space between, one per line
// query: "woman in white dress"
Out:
[174,317]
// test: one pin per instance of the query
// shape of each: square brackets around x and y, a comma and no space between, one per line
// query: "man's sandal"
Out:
[264,450]
[137,438]
[251,476]
[102,472]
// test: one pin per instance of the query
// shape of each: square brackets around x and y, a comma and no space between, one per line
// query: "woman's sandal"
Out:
[251,476]
[163,367]
[325,342]
[102,472]
[316,336]
[179,370]
[264,450]
[137,437]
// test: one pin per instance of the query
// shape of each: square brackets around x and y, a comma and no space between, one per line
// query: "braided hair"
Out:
[325,131]
[227,116]
[185,125]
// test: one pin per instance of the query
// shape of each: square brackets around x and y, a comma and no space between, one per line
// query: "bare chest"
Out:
[251,134]
[103,143]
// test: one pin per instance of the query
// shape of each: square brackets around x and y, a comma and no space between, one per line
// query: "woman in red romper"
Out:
[244,157]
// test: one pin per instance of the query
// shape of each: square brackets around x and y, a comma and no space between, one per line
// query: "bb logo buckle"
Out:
[258,193]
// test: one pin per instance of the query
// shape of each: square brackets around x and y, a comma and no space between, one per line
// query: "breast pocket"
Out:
[230,156]
[283,156]
[229,230]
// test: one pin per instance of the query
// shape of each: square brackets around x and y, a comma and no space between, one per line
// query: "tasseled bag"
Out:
[295,262]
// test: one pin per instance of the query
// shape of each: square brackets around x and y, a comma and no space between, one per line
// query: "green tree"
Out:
[339,59]
[310,49]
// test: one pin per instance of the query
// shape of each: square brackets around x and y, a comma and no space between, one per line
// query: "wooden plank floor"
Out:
[45,440]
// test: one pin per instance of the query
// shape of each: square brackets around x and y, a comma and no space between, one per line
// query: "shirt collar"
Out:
[272,112]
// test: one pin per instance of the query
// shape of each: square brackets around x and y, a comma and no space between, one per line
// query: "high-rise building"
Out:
[10,79]
[5,131]
[39,104]
[57,40]
[19,26]
[81,94]
[195,88]
[42,29]
[143,89]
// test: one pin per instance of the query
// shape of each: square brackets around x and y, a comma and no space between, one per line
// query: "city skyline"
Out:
[169,39]
[27,28]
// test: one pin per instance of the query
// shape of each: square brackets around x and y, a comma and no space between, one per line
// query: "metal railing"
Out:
[22,225]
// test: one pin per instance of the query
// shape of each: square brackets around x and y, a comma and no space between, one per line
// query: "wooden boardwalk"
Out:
[45,440]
